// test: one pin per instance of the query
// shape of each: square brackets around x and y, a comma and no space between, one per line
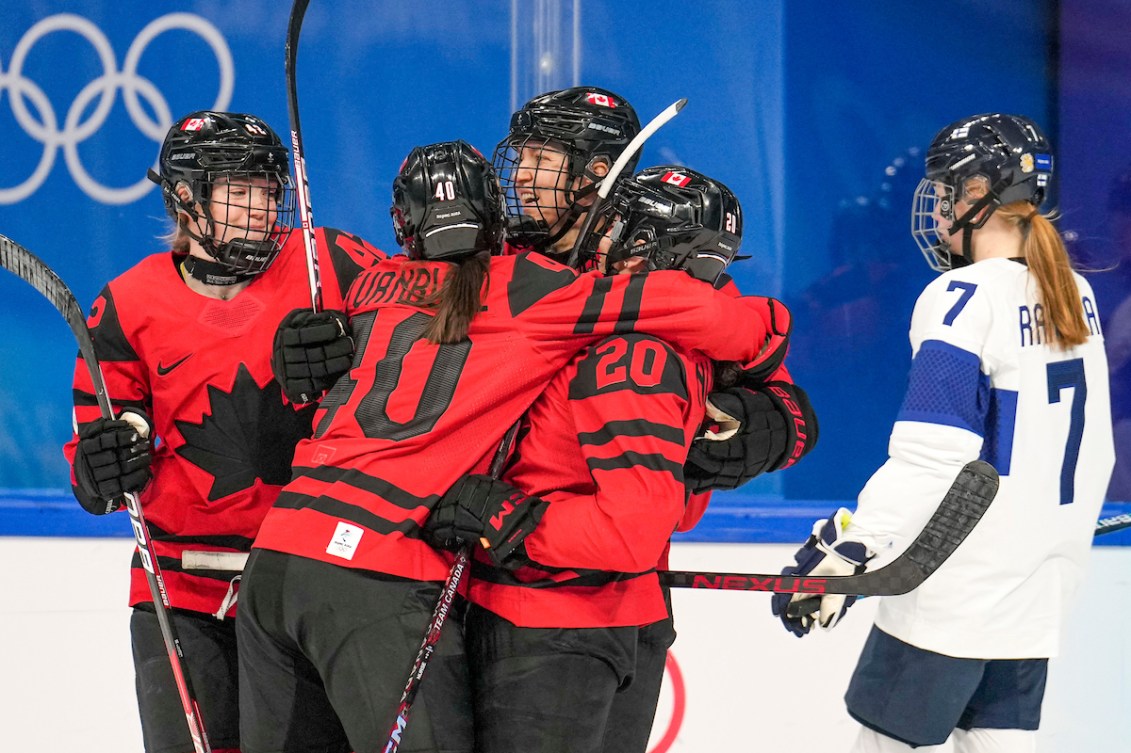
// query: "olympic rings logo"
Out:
[45,129]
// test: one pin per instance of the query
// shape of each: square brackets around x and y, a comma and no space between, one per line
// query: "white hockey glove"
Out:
[826,552]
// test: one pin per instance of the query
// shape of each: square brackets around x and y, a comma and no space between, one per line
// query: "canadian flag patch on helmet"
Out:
[193,124]
[676,179]
[601,100]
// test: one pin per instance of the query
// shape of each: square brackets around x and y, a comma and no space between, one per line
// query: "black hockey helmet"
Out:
[675,218]
[446,203]
[586,124]
[1006,157]
[205,147]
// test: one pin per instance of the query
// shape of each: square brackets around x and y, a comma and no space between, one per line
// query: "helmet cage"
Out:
[541,194]
[582,127]
[236,150]
[1005,156]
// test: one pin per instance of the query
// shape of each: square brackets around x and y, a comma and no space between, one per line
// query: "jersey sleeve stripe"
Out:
[591,311]
[317,478]
[632,428]
[649,461]
[337,508]
[630,310]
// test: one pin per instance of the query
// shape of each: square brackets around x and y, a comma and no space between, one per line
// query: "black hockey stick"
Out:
[32,270]
[302,185]
[960,510]
[440,613]
[617,168]
[1103,525]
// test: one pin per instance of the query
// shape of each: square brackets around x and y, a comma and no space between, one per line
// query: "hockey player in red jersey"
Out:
[185,340]
[453,345]
[559,147]
[554,632]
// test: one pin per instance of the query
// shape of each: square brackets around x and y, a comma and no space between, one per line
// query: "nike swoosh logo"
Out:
[163,370]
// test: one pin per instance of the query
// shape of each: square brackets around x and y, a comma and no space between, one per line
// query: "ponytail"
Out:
[1048,261]
[458,300]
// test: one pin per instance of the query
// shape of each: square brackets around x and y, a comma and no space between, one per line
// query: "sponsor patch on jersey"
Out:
[344,541]
[676,179]
[193,124]
[601,100]
[323,454]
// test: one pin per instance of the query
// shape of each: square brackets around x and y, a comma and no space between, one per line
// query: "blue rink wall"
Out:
[815,113]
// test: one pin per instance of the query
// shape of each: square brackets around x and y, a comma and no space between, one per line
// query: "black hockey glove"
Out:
[312,350]
[112,458]
[480,507]
[776,428]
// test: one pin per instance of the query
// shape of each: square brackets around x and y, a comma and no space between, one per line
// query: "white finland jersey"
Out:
[985,382]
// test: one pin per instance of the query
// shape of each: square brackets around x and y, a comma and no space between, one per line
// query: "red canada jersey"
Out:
[200,368]
[605,445]
[411,417]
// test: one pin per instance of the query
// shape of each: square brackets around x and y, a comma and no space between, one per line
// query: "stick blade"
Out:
[960,510]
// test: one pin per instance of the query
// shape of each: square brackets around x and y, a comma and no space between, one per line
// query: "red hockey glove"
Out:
[480,507]
[779,325]
[312,349]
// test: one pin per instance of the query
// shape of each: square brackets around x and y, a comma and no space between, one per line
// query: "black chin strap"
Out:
[967,225]
[213,272]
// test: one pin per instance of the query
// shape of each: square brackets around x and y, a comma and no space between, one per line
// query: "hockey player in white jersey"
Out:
[1008,366]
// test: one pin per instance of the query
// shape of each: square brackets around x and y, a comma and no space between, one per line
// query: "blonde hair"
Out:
[176,238]
[1048,260]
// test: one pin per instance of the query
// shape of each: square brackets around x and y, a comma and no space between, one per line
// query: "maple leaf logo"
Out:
[250,434]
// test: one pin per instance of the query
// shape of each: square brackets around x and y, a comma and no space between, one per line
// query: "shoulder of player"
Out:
[338,243]
[140,283]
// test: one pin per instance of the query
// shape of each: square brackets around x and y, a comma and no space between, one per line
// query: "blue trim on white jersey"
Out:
[997,449]
[947,387]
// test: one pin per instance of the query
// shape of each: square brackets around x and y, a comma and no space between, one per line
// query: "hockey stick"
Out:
[302,185]
[607,182]
[1112,524]
[1115,523]
[960,510]
[32,270]
[440,613]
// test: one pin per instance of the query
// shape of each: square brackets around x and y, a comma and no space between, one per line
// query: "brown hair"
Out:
[1048,261]
[458,300]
